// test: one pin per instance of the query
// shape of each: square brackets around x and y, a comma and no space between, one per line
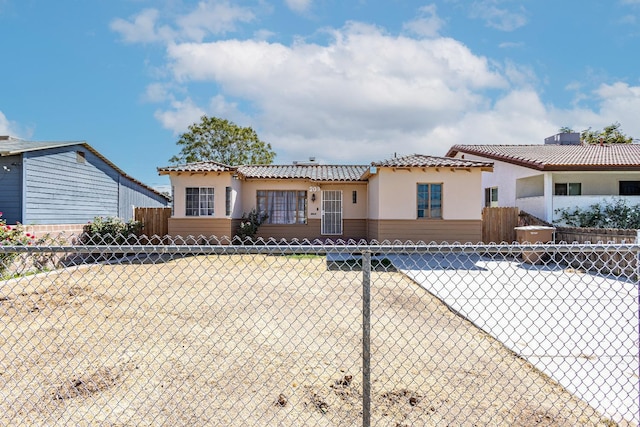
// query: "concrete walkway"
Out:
[580,329]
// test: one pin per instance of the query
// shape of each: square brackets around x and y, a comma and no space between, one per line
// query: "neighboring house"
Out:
[44,183]
[411,198]
[562,173]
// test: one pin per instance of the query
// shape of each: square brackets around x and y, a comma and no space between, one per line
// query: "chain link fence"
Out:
[342,334]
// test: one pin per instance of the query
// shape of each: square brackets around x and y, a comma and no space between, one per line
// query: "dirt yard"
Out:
[254,341]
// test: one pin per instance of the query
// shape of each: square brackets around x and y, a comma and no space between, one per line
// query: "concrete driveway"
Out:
[580,329]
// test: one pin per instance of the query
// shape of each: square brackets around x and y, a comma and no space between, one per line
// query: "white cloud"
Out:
[495,16]
[182,114]
[8,127]
[298,5]
[158,92]
[263,34]
[142,28]
[619,102]
[4,125]
[519,75]
[365,94]
[211,17]
[360,92]
[519,117]
[428,24]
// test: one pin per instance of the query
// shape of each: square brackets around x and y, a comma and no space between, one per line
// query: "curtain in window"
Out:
[282,207]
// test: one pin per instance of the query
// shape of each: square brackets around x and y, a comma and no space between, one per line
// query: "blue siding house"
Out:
[66,183]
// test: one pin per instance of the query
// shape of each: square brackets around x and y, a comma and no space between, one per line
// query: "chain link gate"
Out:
[316,334]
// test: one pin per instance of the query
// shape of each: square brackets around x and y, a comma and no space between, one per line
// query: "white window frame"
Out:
[491,197]
[204,197]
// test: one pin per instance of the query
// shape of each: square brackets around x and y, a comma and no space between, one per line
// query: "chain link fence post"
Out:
[366,336]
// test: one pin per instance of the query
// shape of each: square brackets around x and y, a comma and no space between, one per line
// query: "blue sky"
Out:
[343,81]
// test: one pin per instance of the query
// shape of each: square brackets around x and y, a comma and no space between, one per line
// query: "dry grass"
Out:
[254,340]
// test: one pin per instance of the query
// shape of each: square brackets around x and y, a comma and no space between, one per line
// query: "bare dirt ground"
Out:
[254,341]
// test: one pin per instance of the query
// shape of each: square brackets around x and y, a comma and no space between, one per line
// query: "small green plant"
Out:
[110,230]
[12,235]
[250,223]
[616,214]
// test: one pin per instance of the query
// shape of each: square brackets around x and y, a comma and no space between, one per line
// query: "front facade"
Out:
[44,183]
[545,179]
[410,199]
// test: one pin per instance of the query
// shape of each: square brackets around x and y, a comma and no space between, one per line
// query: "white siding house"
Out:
[543,179]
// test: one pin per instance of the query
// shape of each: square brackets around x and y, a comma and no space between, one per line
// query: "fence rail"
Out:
[317,334]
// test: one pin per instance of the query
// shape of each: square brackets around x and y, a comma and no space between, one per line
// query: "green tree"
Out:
[222,141]
[565,129]
[609,135]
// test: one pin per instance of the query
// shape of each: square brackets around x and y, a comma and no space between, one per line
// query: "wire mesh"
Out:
[196,331]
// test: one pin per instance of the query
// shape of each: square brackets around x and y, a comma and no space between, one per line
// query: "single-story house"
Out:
[412,198]
[66,183]
[562,173]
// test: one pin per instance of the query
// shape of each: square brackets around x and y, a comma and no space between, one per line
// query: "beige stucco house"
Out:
[413,198]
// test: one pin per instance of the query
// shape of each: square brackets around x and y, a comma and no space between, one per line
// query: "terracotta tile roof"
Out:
[197,167]
[311,172]
[422,161]
[559,157]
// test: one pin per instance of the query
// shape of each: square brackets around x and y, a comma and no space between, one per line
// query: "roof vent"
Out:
[564,138]
[310,162]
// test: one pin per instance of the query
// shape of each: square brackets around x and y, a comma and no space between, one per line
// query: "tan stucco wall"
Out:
[396,195]
[218,180]
[250,187]
[350,210]
[385,209]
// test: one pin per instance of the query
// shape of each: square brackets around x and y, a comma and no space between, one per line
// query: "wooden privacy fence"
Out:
[155,220]
[498,224]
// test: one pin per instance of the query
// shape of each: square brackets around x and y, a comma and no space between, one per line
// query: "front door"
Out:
[332,212]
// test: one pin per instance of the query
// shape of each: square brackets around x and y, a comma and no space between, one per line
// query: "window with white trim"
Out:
[283,206]
[429,200]
[199,201]
[491,197]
